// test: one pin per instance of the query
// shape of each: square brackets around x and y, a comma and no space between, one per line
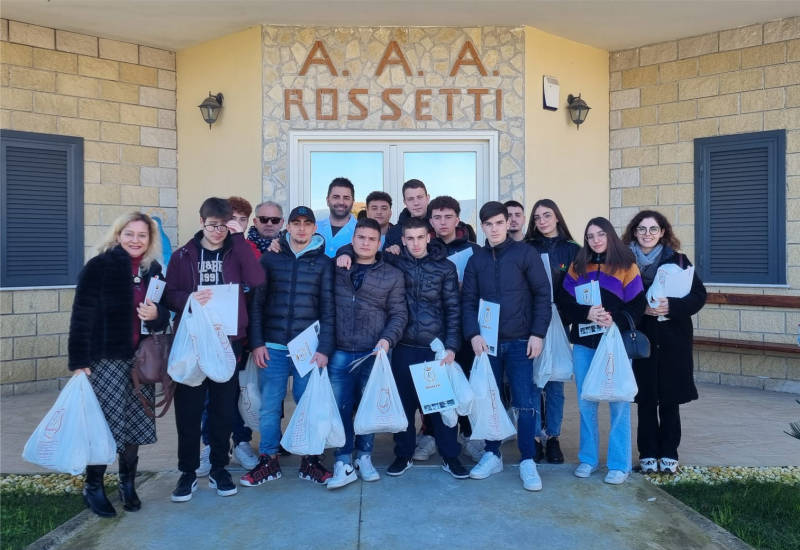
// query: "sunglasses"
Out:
[269,219]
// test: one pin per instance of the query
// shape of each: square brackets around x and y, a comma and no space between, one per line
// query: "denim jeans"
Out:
[619,435]
[272,382]
[512,360]
[405,442]
[347,388]
[553,412]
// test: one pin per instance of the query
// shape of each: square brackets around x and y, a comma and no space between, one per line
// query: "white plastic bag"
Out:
[250,395]
[215,355]
[380,409]
[335,436]
[460,385]
[73,433]
[315,423]
[555,361]
[488,418]
[182,365]
[610,376]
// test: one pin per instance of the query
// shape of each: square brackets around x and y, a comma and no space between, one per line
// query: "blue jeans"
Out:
[553,409]
[619,435]
[512,359]
[347,388]
[272,381]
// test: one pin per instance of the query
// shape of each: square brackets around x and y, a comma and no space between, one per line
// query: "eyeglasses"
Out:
[545,216]
[217,228]
[653,230]
[269,219]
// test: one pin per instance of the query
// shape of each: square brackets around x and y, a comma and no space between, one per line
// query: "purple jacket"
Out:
[239,265]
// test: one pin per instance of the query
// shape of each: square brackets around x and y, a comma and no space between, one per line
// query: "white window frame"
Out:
[393,144]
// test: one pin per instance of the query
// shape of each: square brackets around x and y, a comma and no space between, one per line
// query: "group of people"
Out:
[373,285]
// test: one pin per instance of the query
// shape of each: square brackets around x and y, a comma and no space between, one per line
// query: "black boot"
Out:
[128,460]
[553,451]
[94,494]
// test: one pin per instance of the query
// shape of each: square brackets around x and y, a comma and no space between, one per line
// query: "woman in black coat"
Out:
[666,378]
[105,329]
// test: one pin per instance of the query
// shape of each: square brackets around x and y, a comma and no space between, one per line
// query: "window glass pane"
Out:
[364,169]
[447,173]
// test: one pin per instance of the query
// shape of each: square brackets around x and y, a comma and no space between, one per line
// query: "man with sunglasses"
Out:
[267,224]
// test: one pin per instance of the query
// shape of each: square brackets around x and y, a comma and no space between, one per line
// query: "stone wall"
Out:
[665,95]
[120,98]
[430,52]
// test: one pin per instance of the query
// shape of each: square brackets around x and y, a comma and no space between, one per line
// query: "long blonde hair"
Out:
[110,240]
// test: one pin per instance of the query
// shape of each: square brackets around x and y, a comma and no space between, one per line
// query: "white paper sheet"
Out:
[225,303]
[303,347]
[460,260]
[489,323]
[434,390]
[678,285]
[155,289]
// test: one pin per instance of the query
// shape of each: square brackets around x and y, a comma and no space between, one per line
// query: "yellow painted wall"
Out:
[225,160]
[561,163]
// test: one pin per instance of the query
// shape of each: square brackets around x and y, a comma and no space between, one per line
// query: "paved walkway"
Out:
[727,426]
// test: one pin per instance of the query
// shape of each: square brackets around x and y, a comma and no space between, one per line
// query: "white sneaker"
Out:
[474,448]
[245,455]
[426,446]
[366,469]
[584,470]
[668,465]
[616,477]
[489,464]
[343,474]
[648,465]
[529,476]
[205,462]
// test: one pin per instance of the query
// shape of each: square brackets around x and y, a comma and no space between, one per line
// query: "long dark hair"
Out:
[669,239]
[618,256]
[534,234]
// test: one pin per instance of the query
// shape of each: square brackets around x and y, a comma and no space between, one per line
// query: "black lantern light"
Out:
[578,109]
[210,108]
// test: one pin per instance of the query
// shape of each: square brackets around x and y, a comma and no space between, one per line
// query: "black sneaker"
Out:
[453,467]
[311,469]
[539,456]
[399,466]
[222,482]
[187,484]
[553,452]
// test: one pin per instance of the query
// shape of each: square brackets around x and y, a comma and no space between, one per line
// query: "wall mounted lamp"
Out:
[578,109]
[210,108]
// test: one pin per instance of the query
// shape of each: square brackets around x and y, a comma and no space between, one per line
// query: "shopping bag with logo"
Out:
[555,361]
[307,429]
[380,409]
[215,355]
[182,365]
[450,416]
[250,395]
[610,376]
[488,418]
[73,433]
[335,436]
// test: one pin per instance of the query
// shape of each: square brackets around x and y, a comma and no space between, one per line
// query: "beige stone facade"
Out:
[120,98]
[662,97]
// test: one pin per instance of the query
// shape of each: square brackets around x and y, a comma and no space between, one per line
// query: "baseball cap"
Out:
[302,212]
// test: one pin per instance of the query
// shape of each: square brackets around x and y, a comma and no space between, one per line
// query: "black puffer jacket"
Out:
[462,241]
[298,292]
[101,326]
[395,233]
[510,274]
[434,308]
[562,252]
[376,310]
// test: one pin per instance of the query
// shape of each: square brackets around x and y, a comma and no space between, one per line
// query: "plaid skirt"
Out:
[111,381]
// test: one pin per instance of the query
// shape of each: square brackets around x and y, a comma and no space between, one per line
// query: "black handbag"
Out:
[636,343]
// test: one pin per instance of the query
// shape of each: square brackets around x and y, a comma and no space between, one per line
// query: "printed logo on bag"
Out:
[53,427]
[494,418]
[608,383]
[384,401]
[300,432]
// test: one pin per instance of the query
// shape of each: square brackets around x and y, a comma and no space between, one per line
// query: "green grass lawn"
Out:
[26,517]
[765,515]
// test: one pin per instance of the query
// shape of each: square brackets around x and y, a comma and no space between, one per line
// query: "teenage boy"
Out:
[371,313]
[267,224]
[510,274]
[415,197]
[217,254]
[297,293]
[379,208]
[337,229]
[434,311]
[516,220]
